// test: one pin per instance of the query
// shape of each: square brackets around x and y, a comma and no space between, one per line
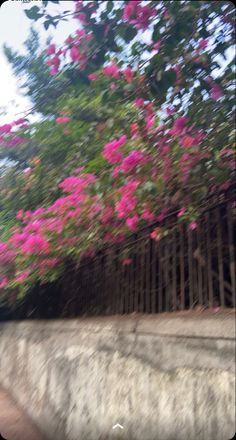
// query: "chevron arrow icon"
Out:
[117,426]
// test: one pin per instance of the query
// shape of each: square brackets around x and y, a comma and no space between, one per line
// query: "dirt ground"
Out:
[14,425]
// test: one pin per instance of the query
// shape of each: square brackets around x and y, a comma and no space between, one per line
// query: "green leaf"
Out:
[33,13]
[47,24]
[129,34]
[109,6]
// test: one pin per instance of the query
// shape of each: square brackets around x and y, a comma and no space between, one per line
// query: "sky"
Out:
[15,28]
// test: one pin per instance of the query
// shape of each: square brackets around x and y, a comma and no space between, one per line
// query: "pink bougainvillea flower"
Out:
[74,54]
[162,215]
[203,43]
[115,172]
[128,74]
[148,216]
[20,214]
[112,70]
[51,49]
[179,125]
[54,71]
[113,86]
[192,226]
[132,222]
[92,76]
[157,45]
[130,9]
[134,159]
[3,282]
[6,128]
[20,121]
[216,92]
[22,276]
[63,120]
[111,150]
[153,235]
[181,212]
[188,141]
[150,121]
[177,71]
[139,102]
[127,262]
[35,244]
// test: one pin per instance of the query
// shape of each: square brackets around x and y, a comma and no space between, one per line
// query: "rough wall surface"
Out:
[160,377]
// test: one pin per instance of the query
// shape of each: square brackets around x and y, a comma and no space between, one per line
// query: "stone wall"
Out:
[166,377]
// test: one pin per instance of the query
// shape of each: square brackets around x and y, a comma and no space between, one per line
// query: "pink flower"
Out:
[134,128]
[132,222]
[162,215]
[157,45]
[111,150]
[192,226]
[107,215]
[20,214]
[51,49]
[3,282]
[134,159]
[139,102]
[35,244]
[62,120]
[216,92]
[6,128]
[74,54]
[112,70]
[3,247]
[179,125]
[150,121]
[188,141]
[177,71]
[148,216]
[113,86]
[127,262]
[203,43]
[181,212]
[54,71]
[22,276]
[153,235]
[128,74]
[92,76]
[19,121]
[130,9]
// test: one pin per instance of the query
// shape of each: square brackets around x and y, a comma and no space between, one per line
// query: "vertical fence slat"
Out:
[209,269]
[174,261]
[166,273]
[231,253]
[154,286]
[182,280]
[136,289]
[142,276]
[190,267]
[160,277]
[220,258]
[199,265]
[148,288]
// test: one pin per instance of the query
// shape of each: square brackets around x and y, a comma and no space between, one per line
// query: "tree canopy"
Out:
[137,121]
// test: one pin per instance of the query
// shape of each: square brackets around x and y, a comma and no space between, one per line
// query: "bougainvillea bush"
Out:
[144,129]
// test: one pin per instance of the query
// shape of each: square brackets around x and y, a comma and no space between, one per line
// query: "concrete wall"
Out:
[161,377]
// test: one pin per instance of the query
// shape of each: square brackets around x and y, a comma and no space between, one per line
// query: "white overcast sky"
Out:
[14,30]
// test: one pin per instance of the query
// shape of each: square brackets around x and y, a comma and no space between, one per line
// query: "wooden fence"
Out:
[183,270]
